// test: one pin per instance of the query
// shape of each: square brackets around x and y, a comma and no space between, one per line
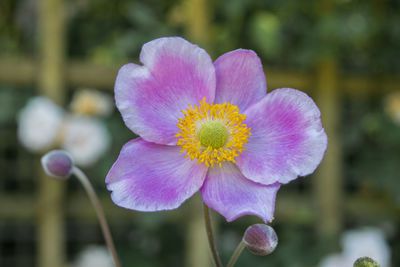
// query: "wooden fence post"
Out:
[197,251]
[197,22]
[327,181]
[50,215]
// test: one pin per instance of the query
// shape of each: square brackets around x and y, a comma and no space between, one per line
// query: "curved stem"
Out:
[210,236]
[99,211]
[236,254]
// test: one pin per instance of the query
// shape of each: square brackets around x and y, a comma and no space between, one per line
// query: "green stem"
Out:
[236,254]
[99,211]
[210,236]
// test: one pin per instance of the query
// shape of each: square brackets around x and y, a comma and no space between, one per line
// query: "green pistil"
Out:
[213,134]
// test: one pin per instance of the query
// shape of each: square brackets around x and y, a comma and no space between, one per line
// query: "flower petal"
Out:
[287,138]
[229,193]
[240,78]
[151,177]
[150,98]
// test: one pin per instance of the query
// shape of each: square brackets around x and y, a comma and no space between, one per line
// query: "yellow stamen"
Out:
[212,133]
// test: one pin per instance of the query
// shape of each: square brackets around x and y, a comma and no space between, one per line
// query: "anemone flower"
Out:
[85,138]
[359,243]
[39,124]
[97,256]
[91,102]
[210,127]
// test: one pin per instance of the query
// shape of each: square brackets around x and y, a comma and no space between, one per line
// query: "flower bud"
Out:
[260,239]
[57,164]
[366,262]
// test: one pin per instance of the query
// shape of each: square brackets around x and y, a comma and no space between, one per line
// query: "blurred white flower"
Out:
[91,102]
[335,260]
[368,242]
[94,256]
[39,124]
[85,138]
[43,125]
[364,242]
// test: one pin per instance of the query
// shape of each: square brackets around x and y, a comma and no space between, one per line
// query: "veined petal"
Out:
[240,78]
[287,138]
[150,98]
[229,193]
[151,177]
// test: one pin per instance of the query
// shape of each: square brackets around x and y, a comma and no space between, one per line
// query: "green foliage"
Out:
[372,145]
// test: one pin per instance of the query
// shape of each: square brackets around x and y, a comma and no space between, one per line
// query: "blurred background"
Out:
[343,53]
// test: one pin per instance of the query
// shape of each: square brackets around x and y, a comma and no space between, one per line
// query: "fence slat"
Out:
[197,25]
[18,71]
[50,216]
[327,181]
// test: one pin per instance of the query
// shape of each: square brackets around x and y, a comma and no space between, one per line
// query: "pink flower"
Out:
[210,127]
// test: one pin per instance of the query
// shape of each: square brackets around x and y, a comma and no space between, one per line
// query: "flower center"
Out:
[212,133]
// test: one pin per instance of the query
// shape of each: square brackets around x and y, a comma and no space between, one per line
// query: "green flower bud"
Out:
[366,262]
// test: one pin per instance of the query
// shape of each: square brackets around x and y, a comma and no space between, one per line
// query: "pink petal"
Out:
[150,98]
[287,138]
[229,193]
[151,177]
[240,78]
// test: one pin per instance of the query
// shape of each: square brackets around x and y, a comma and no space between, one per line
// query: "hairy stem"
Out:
[99,211]
[210,236]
